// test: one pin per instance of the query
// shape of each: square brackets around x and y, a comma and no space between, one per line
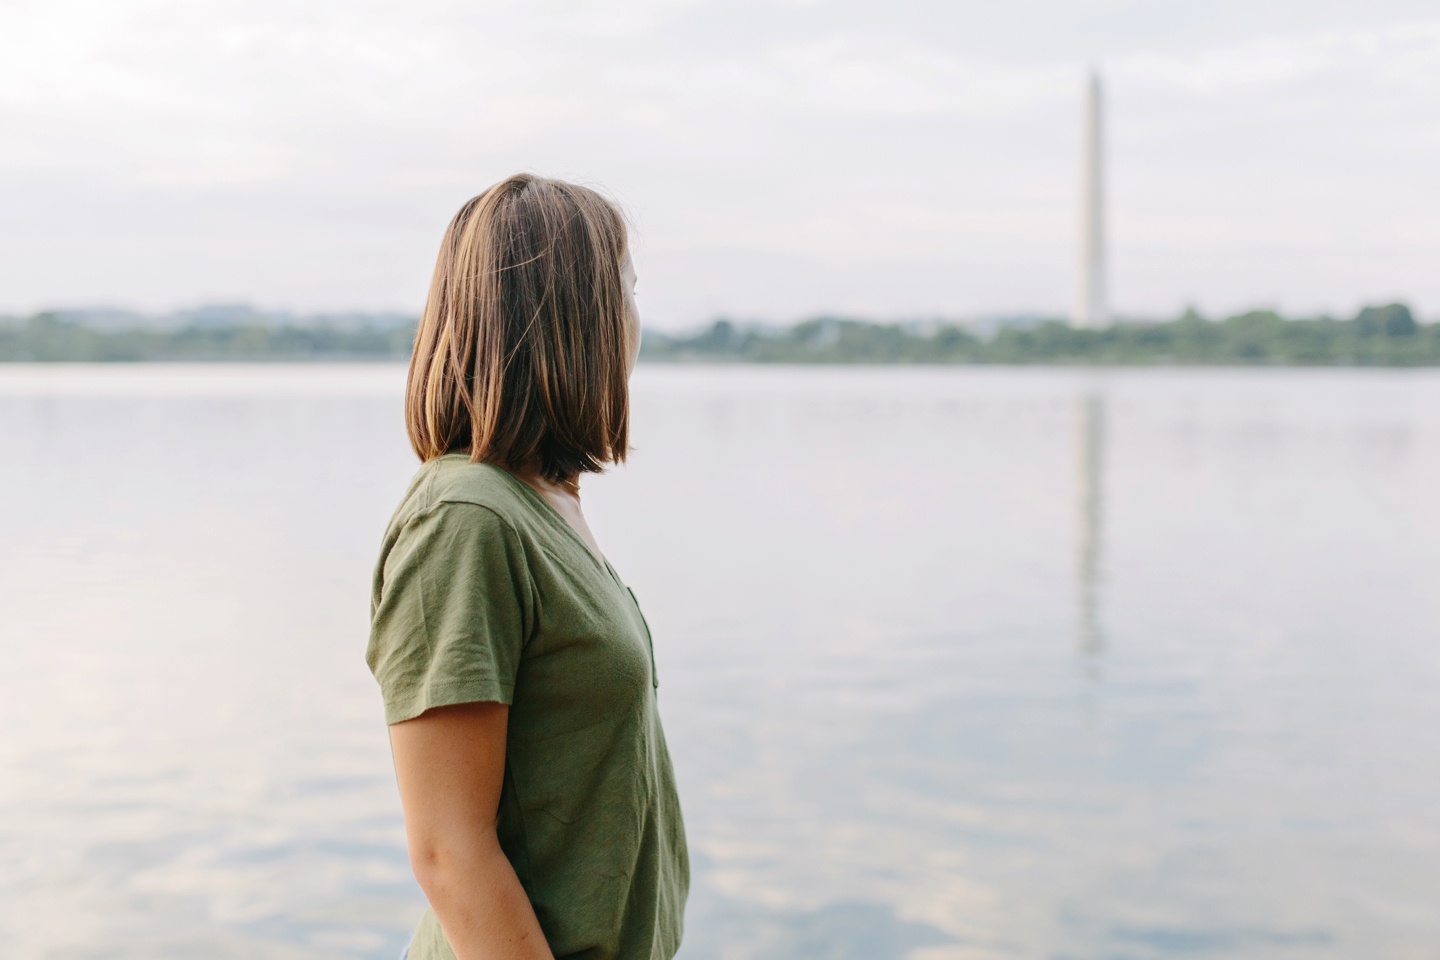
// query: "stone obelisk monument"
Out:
[1091,308]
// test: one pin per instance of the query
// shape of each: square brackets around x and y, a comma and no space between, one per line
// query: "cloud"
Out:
[1398,58]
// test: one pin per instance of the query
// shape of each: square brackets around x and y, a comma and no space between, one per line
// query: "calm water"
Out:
[954,664]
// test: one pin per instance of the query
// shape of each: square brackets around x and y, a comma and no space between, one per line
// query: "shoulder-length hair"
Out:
[520,359]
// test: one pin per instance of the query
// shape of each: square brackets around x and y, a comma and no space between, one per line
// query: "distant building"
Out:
[1092,308]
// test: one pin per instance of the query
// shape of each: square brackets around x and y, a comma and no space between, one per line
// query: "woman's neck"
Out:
[531,475]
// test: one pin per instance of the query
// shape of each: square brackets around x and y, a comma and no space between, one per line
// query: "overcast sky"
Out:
[778,157]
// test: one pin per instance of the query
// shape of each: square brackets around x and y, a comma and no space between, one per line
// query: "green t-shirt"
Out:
[484,593]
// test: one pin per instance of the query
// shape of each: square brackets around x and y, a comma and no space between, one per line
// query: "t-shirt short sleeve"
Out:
[452,612]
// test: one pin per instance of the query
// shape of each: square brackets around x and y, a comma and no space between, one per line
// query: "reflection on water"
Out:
[722,927]
[863,586]
[1092,519]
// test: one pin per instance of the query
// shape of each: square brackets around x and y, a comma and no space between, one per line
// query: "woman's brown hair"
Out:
[520,359]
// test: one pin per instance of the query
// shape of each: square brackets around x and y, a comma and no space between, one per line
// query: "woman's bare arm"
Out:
[450,762]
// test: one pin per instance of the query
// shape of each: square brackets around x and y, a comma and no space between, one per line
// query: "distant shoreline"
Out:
[1381,336]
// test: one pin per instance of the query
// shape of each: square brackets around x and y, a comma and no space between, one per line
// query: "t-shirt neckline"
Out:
[554,518]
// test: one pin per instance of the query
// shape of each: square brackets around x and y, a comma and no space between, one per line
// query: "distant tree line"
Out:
[46,337]
[1377,336]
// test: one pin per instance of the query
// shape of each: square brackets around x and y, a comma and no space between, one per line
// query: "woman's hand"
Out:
[450,762]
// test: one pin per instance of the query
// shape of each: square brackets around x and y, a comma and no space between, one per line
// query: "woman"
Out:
[517,670]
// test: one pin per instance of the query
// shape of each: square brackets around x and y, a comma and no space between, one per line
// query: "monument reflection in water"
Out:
[1092,520]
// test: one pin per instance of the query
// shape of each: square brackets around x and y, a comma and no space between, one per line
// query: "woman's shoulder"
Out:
[455,479]
[452,500]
